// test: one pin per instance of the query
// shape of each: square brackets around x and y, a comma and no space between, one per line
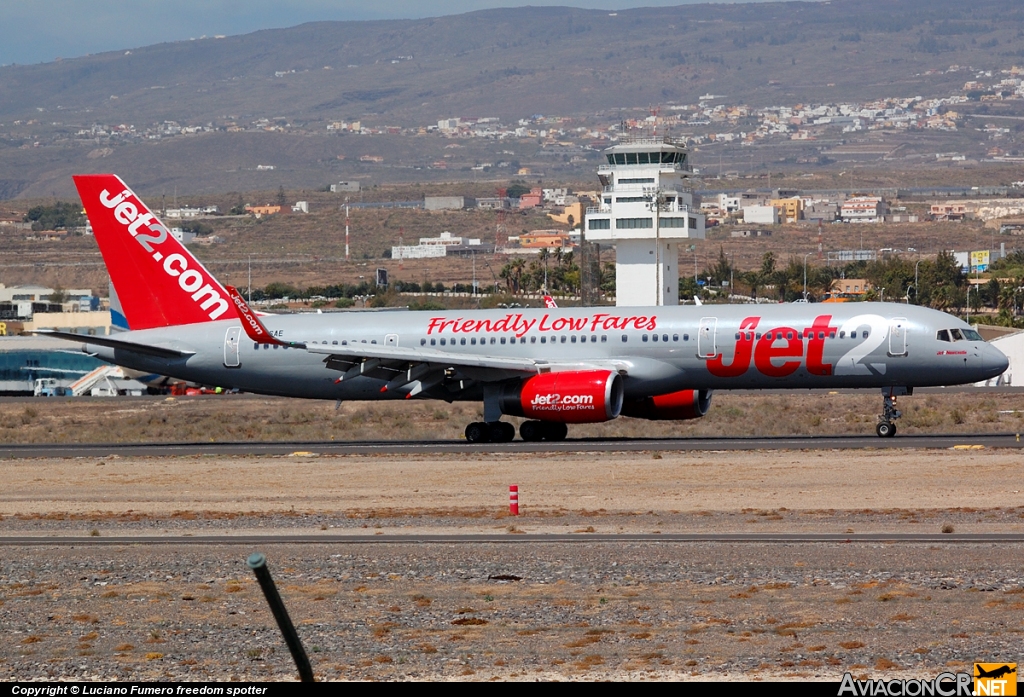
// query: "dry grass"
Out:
[272,419]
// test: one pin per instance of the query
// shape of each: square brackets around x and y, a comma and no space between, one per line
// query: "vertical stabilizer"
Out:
[157,282]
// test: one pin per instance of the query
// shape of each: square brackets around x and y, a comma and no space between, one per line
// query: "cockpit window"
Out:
[972,335]
[942,335]
[957,336]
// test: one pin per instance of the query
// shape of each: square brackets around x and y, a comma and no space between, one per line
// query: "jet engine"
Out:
[589,396]
[674,406]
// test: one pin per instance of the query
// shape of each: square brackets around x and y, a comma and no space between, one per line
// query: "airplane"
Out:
[553,366]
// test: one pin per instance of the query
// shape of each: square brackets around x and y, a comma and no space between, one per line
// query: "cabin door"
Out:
[231,358]
[898,336]
[706,337]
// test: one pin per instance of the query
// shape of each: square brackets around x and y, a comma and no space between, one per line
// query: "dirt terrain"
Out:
[252,417]
[526,610]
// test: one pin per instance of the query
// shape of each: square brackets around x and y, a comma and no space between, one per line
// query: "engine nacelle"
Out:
[576,397]
[675,406]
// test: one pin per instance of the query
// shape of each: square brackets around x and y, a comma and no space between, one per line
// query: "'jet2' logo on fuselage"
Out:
[777,352]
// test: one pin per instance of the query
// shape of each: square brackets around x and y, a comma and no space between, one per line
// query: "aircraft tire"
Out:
[478,432]
[532,431]
[500,432]
[885,429]
[555,431]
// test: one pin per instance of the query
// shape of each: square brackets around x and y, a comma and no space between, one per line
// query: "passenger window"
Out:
[442,342]
[758,336]
[543,340]
[664,337]
[644,338]
[473,341]
[563,338]
[675,337]
[686,337]
[842,335]
[533,340]
[738,337]
[502,340]
[864,333]
[573,339]
[512,340]
[256,345]
[789,336]
[492,341]
[769,336]
[462,341]
[604,338]
[831,335]
[433,342]
[275,347]
[821,335]
[335,343]
[593,338]
[423,342]
[625,338]
[853,335]
[654,337]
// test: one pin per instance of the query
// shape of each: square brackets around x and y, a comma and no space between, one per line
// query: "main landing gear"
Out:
[494,432]
[503,432]
[886,428]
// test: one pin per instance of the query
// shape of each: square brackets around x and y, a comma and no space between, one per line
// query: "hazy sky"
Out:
[42,30]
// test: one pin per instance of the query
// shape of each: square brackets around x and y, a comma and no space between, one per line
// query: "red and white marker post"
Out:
[513,499]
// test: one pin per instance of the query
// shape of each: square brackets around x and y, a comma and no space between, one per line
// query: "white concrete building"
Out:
[864,209]
[420,251]
[1013,346]
[761,215]
[646,208]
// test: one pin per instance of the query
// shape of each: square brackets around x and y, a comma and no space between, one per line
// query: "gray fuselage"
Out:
[657,350]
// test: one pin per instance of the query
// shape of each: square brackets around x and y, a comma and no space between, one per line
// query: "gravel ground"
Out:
[588,611]
[480,611]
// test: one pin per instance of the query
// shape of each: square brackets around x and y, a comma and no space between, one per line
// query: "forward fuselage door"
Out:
[231,338]
[706,337]
[898,336]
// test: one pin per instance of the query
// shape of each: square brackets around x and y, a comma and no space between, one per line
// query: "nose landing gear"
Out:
[886,428]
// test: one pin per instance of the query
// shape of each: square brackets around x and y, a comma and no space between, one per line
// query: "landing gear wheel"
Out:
[886,428]
[478,432]
[501,432]
[555,431]
[532,431]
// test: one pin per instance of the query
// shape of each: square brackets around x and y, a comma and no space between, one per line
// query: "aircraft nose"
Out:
[994,361]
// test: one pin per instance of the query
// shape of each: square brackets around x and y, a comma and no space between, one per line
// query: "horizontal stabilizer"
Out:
[158,351]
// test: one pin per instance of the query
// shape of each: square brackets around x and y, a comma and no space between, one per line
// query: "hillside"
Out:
[514,62]
[592,67]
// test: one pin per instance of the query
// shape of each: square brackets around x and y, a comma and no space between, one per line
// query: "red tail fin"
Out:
[158,281]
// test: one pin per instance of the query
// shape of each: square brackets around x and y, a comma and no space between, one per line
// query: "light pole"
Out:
[805,274]
[916,266]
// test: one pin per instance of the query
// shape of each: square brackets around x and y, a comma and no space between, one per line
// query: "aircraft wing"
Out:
[147,349]
[357,352]
[412,369]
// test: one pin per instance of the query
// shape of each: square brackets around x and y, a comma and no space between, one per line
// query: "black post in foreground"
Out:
[258,563]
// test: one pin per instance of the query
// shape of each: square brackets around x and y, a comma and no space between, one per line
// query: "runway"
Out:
[604,445]
[517,539]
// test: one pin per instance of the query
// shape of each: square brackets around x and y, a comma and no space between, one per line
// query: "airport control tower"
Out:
[646,209]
